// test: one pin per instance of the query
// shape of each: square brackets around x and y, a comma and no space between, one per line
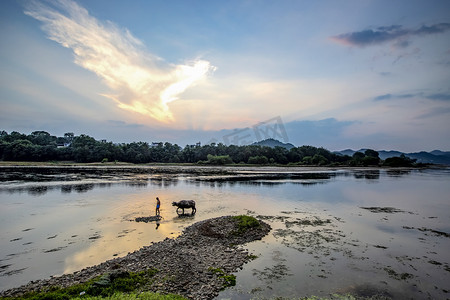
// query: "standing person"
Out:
[158,204]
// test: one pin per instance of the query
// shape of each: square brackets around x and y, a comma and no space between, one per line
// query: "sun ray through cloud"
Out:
[141,82]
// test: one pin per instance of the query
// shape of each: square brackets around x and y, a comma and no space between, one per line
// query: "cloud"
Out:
[439,97]
[437,28]
[369,37]
[436,97]
[326,132]
[385,74]
[141,82]
[383,34]
[383,97]
[118,123]
[433,113]
[298,132]
[399,96]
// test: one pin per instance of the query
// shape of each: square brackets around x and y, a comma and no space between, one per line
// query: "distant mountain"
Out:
[383,154]
[386,154]
[433,157]
[439,152]
[428,157]
[273,143]
[348,152]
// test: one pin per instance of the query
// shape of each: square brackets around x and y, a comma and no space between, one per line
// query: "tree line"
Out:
[42,146]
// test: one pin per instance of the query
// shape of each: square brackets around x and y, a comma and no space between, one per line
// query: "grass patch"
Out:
[245,223]
[229,279]
[252,256]
[135,296]
[106,285]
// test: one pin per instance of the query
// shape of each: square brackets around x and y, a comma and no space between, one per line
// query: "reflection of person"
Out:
[158,204]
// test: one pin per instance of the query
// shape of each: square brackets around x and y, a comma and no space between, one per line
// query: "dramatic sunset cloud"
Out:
[141,82]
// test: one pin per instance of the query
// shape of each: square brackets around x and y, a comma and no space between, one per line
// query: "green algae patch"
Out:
[105,285]
[245,223]
[229,279]
[399,276]
[135,296]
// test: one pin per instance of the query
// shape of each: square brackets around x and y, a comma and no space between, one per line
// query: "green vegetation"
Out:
[217,160]
[252,256]
[40,146]
[229,279]
[401,161]
[368,158]
[116,296]
[135,296]
[115,284]
[245,223]
[258,160]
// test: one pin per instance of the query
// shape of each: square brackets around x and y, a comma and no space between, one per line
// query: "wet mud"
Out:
[323,239]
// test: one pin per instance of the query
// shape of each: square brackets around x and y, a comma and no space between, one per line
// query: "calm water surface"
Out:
[324,239]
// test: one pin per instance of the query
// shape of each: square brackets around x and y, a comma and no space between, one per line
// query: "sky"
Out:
[333,74]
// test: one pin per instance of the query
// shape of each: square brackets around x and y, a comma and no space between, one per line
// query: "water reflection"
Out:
[310,183]
[141,184]
[267,177]
[398,173]
[83,188]
[164,181]
[40,190]
[66,189]
[84,182]
[368,175]
[184,216]
[37,190]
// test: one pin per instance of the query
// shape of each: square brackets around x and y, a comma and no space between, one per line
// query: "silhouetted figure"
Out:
[158,204]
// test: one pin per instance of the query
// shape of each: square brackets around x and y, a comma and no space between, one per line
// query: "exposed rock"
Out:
[148,219]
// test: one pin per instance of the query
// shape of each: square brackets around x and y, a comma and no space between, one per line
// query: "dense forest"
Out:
[41,146]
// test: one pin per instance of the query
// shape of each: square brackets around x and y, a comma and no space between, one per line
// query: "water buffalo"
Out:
[185,204]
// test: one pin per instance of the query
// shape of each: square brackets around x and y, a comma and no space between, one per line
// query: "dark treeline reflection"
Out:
[80,188]
[42,176]
[164,181]
[398,172]
[37,190]
[68,184]
[368,175]
[268,177]
[255,183]
[278,183]
[41,190]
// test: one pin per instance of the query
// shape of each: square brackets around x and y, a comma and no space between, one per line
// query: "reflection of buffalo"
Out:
[185,204]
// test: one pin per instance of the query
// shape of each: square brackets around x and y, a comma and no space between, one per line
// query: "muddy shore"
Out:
[178,168]
[186,265]
[10,171]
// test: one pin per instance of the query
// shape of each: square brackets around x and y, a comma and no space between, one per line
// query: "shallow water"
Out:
[324,239]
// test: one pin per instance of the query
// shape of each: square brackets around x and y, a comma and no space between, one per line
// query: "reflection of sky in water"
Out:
[60,226]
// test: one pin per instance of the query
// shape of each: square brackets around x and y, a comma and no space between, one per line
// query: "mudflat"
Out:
[197,264]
